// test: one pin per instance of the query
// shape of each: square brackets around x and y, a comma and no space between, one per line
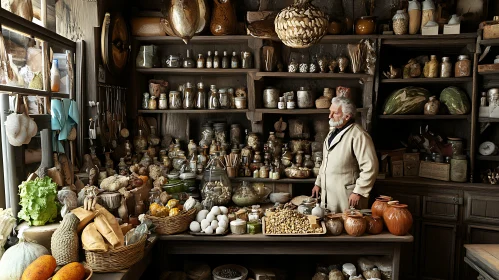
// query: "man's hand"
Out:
[315,191]
[353,200]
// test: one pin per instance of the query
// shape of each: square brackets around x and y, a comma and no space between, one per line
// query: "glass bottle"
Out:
[189,98]
[145,101]
[225,61]
[463,66]
[201,97]
[209,60]
[223,98]
[163,102]
[55,77]
[153,104]
[213,102]
[153,139]
[140,142]
[445,68]
[232,98]
[431,68]
[200,61]
[246,60]
[188,61]
[234,62]
[216,60]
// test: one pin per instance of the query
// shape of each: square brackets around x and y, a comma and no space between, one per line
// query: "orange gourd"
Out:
[71,271]
[41,269]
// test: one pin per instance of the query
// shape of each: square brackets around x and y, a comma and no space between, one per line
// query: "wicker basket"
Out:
[173,225]
[116,259]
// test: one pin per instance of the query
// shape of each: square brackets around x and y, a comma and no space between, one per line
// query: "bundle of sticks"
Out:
[232,160]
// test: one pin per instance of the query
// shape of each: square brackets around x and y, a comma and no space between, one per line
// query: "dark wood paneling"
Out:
[481,207]
[440,206]
[409,254]
[438,249]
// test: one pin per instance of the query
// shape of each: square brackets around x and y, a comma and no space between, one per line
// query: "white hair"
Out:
[347,106]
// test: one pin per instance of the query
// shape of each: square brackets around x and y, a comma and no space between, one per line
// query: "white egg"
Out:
[201,215]
[223,224]
[219,217]
[208,230]
[210,217]
[204,224]
[195,226]
[214,224]
[215,210]
[220,230]
[222,218]
[224,210]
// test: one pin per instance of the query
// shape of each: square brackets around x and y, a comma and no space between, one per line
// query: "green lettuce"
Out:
[38,201]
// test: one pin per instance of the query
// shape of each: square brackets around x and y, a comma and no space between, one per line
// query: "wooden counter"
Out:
[384,244]
[484,258]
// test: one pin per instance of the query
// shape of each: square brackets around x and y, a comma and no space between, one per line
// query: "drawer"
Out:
[481,207]
[443,207]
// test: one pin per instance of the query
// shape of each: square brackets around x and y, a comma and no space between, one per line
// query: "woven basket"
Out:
[116,259]
[173,225]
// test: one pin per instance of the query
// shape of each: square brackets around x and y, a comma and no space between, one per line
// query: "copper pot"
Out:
[355,225]
[374,224]
[334,224]
[365,25]
[397,218]
[379,205]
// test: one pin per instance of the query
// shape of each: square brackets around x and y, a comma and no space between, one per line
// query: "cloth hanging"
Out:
[64,116]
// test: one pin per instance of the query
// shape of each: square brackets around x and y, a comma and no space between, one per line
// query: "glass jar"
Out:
[445,68]
[400,22]
[234,61]
[235,134]
[207,134]
[153,139]
[201,97]
[493,96]
[145,100]
[147,57]
[153,104]
[189,97]
[245,195]
[231,96]
[213,102]
[163,102]
[140,142]
[246,60]
[175,100]
[458,168]
[173,61]
[220,132]
[200,61]
[223,98]
[463,67]
[431,68]
[264,171]
[457,146]
[254,225]
[209,60]
[216,187]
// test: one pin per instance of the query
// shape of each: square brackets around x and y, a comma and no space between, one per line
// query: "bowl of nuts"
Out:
[297,172]
[230,272]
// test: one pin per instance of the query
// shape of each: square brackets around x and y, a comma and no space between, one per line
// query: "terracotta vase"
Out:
[334,224]
[365,25]
[431,107]
[374,224]
[223,18]
[379,205]
[355,225]
[397,218]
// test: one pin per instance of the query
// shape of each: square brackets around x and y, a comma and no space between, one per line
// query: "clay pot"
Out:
[334,224]
[334,28]
[365,25]
[397,218]
[374,224]
[432,106]
[223,18]
[355,225]
[379,206]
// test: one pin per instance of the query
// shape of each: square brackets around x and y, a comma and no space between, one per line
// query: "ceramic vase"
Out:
[397,218]
[355,225]
[431,107]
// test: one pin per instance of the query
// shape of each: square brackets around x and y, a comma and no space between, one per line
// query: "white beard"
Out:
[337,124]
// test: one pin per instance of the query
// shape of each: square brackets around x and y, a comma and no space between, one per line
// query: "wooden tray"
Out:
[293,234]
[205,234]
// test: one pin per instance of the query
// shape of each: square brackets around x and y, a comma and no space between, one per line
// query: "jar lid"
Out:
[445,58]
[462,57]
[162,95]
[238,222]
[400,11]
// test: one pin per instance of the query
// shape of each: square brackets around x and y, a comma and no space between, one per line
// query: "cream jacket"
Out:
[349,165]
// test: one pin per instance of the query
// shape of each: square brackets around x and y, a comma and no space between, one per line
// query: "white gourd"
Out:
[189,204]
[17,258]
[12,125]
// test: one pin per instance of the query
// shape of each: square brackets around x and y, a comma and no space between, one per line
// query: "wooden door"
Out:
[438,250]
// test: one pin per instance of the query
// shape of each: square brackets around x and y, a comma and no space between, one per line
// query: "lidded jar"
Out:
[397,218]
[431,68]
[463,66]
[140,142]
[216,187]
[414,11]
[163,102]
[334,224]
[175,100]
[355,224]
[445,68]
[400,22]
[379,206]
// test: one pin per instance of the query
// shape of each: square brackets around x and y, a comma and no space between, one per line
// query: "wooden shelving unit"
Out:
[280,181]
[488,158]
[182,111]
[195,71]
[489,42]
[428,80]
[488,120]
[339,76]
[424,117]
[159,40]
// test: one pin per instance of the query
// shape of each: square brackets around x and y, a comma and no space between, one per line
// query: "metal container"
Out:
[305,98]
[457,146]
[270,97]
[175,100]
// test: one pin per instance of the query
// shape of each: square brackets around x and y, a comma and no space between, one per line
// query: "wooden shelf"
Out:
[425,41]
[486,120]
[424,117]
[338,76]
[195,71]
[487,158]
[490,42]
[486,73]
[280,181]
[185,111]
[428,80]
[28,91]
[159,40]
[293,111]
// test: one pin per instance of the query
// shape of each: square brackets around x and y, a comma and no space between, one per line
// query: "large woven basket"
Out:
[116,259]
[173,225]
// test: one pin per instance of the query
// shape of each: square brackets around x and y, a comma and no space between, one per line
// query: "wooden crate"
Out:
[397,168]
[411,164]
[434,170]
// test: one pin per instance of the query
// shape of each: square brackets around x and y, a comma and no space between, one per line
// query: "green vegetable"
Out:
[409,100]
[455,100]
[38,201]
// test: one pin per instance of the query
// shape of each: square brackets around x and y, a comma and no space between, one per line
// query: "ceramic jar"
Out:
[374,224]
[463,66]
[334,27]
[414,11]
[270,97]
[223,18]
[355,224]
[334,224]
[397,218]
[318,211]
[457,146]
[379,206]
[175,100]
[431,68]
[432,106]
[365,25]
[428,13]
[445,68]
[400,22]
[163,102]
[305,98]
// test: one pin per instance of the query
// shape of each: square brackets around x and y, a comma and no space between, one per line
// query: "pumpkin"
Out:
[174,212]
[71,271]
[408,100]
[41,269]
[18,257]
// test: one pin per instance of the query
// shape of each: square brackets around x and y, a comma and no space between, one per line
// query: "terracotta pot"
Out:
[223,18]
[379,205]
[355,225]
[397,218]
[365,25]
[374,224]
[334,224]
